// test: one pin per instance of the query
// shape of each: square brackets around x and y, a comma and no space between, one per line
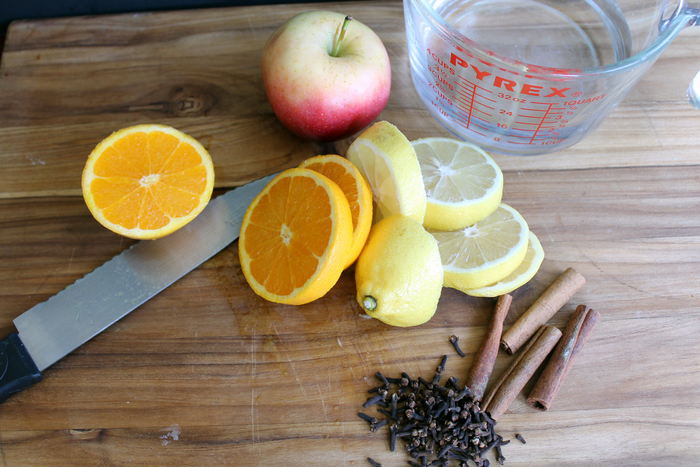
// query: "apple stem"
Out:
[340,36]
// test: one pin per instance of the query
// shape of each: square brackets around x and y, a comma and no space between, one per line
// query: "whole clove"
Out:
[380,397]
[378,425]
[381,378]
[367,418]
[440,369]
[520,438]
[392,437]
[439,425]
[373,462]
[454,340]
[499,455]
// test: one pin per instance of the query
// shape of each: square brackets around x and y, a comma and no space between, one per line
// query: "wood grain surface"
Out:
[207,373]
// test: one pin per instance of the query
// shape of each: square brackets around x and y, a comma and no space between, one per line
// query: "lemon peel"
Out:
[386,158]
[399,274]
[521,276]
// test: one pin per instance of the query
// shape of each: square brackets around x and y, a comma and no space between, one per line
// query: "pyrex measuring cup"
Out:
[534,76]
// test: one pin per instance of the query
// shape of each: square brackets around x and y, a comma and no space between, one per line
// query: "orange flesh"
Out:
[286,236]
[345,181]
[144,180]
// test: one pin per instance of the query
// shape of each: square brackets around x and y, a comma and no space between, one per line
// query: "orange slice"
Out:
[296,237]
[356,190]
[147,181]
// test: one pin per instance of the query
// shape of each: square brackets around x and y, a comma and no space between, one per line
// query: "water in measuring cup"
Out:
[551,33]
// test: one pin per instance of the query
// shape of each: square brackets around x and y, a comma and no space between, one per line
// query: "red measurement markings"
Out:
[543,120]
[467,123]
[531,124]
[539,127]
[473,99]
[525,123]
[551,122]
[470,121]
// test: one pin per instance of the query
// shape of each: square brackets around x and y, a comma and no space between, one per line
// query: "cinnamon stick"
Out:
[486,356]
[575,336]
[543,309]
[520,371]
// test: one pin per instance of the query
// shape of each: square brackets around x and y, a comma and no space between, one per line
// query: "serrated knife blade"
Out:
[51,330]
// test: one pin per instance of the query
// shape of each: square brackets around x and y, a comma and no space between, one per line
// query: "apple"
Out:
[327,76]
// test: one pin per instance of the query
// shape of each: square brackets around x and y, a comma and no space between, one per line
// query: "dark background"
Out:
[11,10]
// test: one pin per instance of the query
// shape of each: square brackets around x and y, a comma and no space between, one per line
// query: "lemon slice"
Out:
[522,274]
[463,184]
[484,253]
[388,162]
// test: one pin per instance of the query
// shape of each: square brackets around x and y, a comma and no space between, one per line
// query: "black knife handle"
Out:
[17,369]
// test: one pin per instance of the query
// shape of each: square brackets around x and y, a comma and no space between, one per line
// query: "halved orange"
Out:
[296,237]
[356,190]
[147,181]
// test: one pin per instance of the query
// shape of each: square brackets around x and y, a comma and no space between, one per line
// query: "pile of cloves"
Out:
[438,424]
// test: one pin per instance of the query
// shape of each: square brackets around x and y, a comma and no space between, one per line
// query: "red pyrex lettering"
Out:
[509,84]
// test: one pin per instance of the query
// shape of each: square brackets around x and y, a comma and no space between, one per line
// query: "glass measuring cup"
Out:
[534,76]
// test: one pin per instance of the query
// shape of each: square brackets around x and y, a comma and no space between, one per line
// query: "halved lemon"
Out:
[386,158]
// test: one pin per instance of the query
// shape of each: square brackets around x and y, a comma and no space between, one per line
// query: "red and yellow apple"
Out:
[326,75]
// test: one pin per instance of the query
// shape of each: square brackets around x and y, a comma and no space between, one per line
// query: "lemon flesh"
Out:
[522,274]
[399,273]
[463,184]
[484,253]
[387,160]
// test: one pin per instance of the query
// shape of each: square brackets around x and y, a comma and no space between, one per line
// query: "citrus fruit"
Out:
[522,274]
[296,237]
[463,184]
[484,253]
[357,191]
[399,273]
[147,181]
[388,161]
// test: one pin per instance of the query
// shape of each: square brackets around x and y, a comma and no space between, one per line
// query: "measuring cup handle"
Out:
[694,91]
[665,23]
[682,8]
[696,13]
[693,15]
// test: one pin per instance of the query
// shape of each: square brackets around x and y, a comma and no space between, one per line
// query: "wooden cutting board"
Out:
[207,373]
